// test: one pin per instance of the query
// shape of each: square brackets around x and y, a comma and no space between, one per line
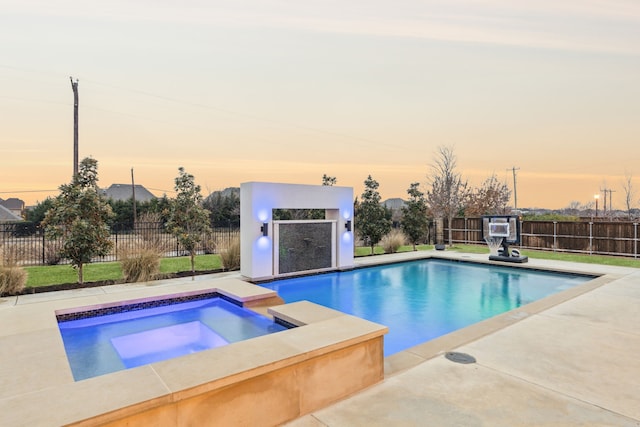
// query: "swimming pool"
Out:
[422,300]
[101,341]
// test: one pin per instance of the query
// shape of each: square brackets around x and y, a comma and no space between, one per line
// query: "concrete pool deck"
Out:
[569,359]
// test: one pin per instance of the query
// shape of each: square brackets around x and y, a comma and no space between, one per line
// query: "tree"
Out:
[79,217]
[122,213]
[489,199]
[414,221]
[374,220]
[329,180]
[188,220]
[573,208]
[449,192]
[629,193]
[224,208]
[38,212]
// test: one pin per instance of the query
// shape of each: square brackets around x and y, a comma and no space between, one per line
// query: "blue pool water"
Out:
[422,300]
[109,343]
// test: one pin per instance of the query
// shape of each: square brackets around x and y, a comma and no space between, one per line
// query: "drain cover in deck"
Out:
[460,357]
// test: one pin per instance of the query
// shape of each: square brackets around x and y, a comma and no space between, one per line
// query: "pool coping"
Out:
[568,359]
[34,368]
[415,355]
[32,328]
[411,357]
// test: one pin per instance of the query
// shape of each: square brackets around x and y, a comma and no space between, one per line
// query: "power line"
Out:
[250,116]
[159,189]
[27,191]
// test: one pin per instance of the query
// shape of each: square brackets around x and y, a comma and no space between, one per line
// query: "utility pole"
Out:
[74,86]
[604,209]
[611,204]
[133,197]
[515,192]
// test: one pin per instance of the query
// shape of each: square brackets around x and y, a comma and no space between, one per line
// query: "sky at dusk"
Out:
[286,91]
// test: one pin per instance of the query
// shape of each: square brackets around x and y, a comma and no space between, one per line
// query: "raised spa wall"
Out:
[261,381]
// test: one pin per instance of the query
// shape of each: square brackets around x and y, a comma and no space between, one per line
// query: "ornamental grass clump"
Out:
[141,261]
[140,258]
[230,255]
[13,278]
[392,241]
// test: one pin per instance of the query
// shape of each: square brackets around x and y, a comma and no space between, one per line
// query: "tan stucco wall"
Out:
[274,397]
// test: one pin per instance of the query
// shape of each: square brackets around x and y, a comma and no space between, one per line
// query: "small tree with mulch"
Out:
[79,218]
[188,220]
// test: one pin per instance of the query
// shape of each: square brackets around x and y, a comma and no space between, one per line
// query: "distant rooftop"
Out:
[124,192]
[12,203]
[394,203]
[7,216]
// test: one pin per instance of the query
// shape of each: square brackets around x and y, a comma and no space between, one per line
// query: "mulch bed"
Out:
[68,286]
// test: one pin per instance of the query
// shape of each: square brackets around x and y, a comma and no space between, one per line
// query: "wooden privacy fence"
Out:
[587,237]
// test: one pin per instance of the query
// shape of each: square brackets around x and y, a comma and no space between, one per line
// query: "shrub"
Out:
[12,277]
[230,256]
[12,280]
[392,241]
[209,244]
[150,227]
[10,254]
[141,260]
[52,254]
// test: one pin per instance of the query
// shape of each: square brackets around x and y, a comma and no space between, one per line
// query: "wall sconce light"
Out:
[347,225]
[265,229]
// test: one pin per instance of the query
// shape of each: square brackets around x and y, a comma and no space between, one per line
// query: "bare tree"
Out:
[629,193]
[489,199]
[448,194]
[573,208]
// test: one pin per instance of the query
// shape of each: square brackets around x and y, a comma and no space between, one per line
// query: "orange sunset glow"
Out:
[288,91]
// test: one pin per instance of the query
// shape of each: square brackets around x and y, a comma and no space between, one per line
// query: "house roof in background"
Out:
[12,203]
[124,192]
[394,203]
[7,216]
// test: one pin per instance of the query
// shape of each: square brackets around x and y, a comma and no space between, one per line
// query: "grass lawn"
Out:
[366,250]
[558,256]
[59,274]
[99,271]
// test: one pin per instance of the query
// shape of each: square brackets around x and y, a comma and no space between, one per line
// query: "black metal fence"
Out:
[587,237]
[617,238]
[28,243]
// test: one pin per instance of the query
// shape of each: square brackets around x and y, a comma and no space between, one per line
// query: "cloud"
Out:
[607,26]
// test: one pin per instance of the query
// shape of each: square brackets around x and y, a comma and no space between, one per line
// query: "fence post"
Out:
[466,232]
[116,251]
[44,261]
[590,238]
[555,237]
[635,240]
